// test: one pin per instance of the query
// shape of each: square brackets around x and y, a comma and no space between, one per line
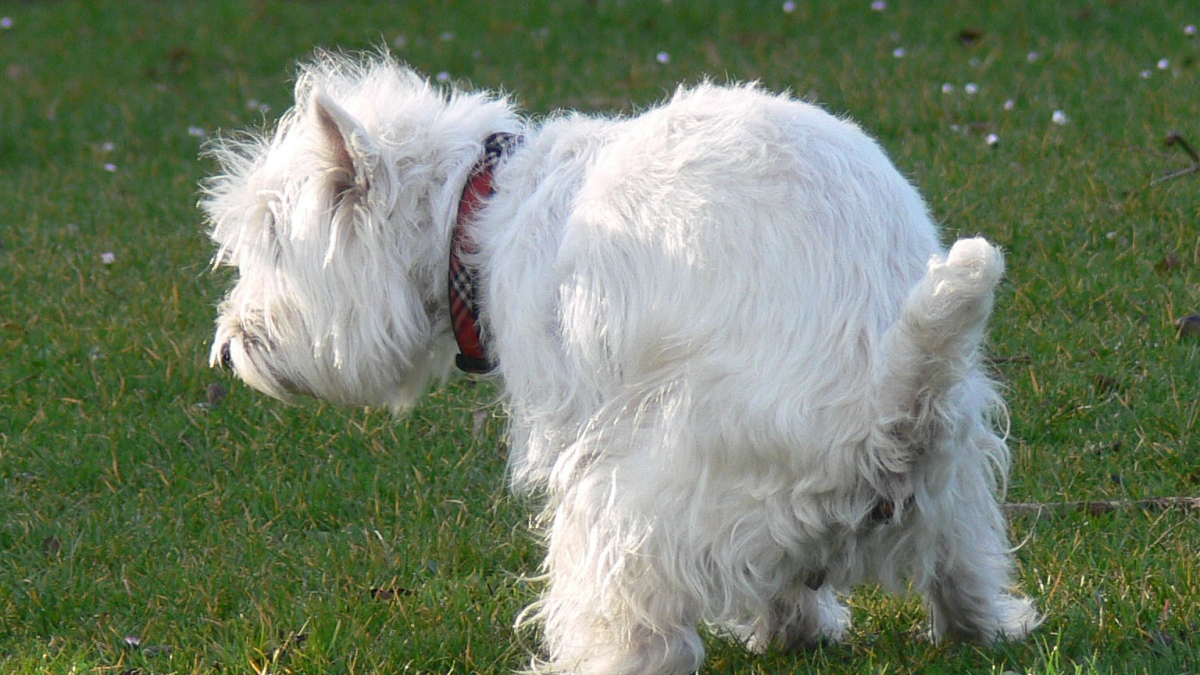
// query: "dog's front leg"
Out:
[613,604]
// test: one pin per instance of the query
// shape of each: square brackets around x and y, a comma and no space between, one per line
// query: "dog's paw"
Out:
[1007,618]
[819,619]
[1016,617]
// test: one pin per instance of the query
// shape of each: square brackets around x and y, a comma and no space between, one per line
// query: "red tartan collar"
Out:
[463,279]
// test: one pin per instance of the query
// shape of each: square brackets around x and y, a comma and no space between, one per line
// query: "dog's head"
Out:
[338,223]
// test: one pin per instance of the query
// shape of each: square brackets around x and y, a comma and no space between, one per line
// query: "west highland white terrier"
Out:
[740,371]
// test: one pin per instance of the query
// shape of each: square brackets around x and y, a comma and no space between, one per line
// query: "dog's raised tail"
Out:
[935,342]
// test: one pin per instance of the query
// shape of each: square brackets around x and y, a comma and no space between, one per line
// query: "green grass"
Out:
[248,536]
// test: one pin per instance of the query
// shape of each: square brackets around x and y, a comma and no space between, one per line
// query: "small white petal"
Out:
[1059,117]
[993,140]
[1010,104]
[108,258]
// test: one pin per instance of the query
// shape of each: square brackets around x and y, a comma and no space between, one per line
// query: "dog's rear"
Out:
[937,450]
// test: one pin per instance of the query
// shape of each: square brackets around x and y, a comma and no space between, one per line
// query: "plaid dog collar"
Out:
[463,280]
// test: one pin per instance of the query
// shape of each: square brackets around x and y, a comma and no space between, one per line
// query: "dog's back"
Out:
[747,247]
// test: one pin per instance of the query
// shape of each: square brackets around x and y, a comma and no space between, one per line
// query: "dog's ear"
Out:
[353,154]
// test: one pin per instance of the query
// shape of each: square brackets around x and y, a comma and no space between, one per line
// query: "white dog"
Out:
[740,370]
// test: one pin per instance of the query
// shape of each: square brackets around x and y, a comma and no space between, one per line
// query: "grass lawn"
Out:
[149,525]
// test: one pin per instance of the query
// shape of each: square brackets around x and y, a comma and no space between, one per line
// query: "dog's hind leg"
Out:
[968,587]
[933,400]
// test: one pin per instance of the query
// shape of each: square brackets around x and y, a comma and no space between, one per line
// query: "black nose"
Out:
[226,357]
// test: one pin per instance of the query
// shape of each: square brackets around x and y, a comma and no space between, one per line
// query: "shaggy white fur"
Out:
[740,370]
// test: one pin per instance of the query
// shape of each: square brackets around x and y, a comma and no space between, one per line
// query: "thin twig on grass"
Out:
[1093,508]
[1176,138]
[1004,360]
